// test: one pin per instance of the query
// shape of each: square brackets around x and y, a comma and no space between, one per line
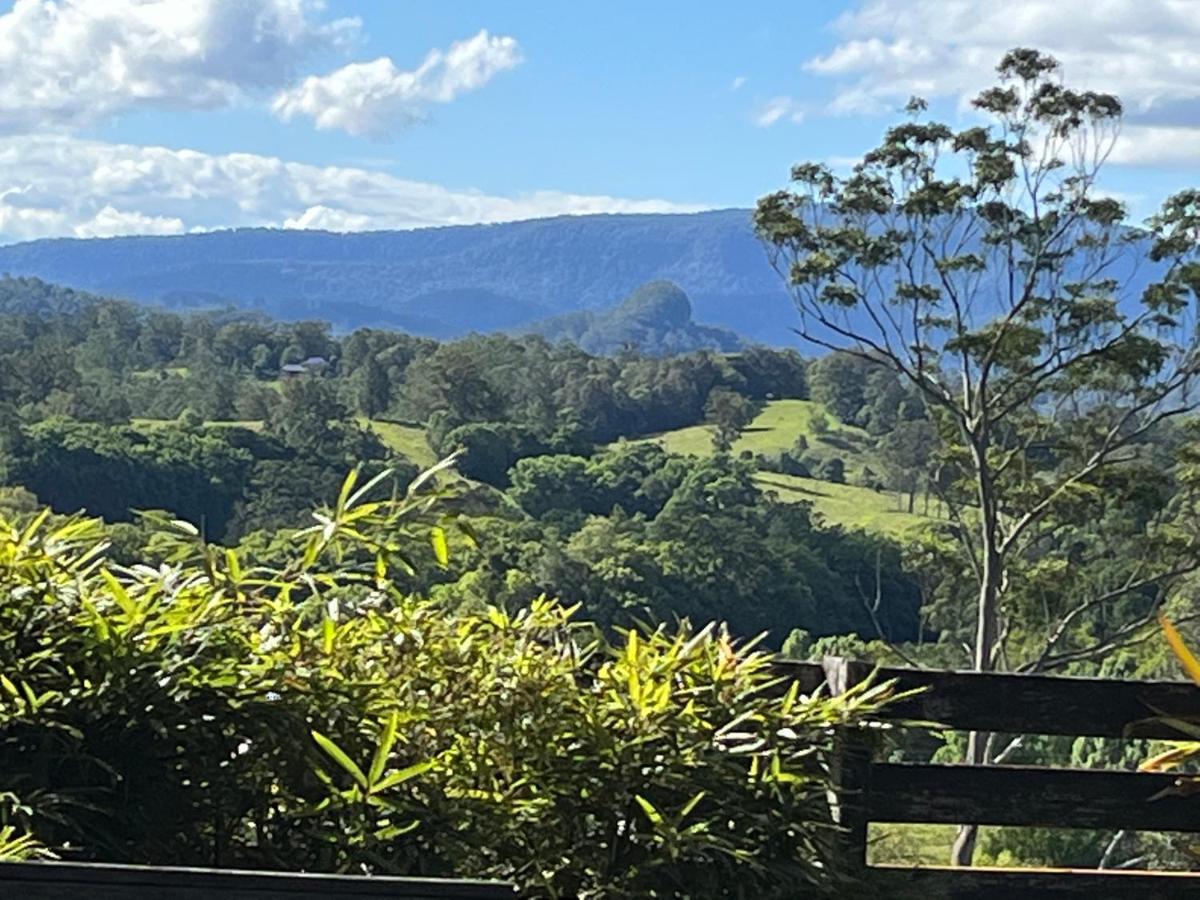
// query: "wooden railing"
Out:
[866,791]
[872,791]
[95,881]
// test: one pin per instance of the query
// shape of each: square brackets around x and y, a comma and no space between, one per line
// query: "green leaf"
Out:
[366,488]
[448,463]
[32,528]
[440,549]
[402,775]
[127,603]
[233,565]
[347,487]
[690,805]
[328,631]
[655,817]
[386,741]
[338,755]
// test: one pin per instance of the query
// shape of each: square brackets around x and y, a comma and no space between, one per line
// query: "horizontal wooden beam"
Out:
[97,881]
[945,883]
[1020,795]
[1024,704]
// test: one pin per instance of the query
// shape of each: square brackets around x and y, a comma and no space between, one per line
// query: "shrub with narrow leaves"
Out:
[313,715]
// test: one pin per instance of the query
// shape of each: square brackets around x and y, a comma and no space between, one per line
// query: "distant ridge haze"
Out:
[442,282]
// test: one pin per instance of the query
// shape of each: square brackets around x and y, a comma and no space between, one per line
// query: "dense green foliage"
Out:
[632,533]
[636,533]
[313,714]
[109,363]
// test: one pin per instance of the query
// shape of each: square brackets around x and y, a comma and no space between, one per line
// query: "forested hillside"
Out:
[438,282]
[562,276]
[240,426]
[813,500]
[655,319]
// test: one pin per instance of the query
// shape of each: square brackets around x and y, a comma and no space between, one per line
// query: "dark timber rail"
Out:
[872,791]
[867,791]
[94,881]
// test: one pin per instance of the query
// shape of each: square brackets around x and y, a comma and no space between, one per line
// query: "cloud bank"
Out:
[1146,52]
[376,98]
[53,185]
[67,64]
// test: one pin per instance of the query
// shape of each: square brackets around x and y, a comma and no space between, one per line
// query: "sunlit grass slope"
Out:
[407,440]
[848,505]
[775,429]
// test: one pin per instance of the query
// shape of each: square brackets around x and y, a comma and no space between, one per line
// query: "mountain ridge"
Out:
[656,318]
[448,281]
[442,282]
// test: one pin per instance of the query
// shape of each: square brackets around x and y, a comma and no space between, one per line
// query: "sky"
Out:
[170,116]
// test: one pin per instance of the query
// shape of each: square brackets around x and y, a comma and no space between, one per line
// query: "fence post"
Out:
[853,751]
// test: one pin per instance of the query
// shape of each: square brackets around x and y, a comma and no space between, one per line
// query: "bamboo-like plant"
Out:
[312,714]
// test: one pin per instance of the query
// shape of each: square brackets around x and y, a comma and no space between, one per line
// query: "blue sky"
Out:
[626,99]
[173,115]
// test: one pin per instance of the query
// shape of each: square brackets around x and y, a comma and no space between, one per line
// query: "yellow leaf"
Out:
[329,631]
[440,550]
[1190,664]
[1170,759]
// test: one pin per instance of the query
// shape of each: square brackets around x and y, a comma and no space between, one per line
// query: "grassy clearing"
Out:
[773,430]
[776,428]
[151,424]
[846,504]
[180,371]
[407,440]
[249,424]
[782,421]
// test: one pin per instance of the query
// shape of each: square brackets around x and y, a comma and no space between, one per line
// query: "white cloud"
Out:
[1146,51]
[779,109]
[1157,145]
[70,63]
[738,83]
[52,185]
[109,222]
[376,98]
[325,218]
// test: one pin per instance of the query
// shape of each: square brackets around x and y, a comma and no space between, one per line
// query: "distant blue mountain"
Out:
[656,319]
[561,276]
[440,282]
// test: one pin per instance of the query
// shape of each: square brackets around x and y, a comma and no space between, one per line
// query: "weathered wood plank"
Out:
[850,772]
[95,881]
[1021,795]
[1026,704]
[1005,884]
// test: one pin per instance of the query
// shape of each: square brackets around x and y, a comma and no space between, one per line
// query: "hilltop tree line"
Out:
[121,411]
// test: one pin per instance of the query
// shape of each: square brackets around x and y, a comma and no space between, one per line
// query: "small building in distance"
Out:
[314,365]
